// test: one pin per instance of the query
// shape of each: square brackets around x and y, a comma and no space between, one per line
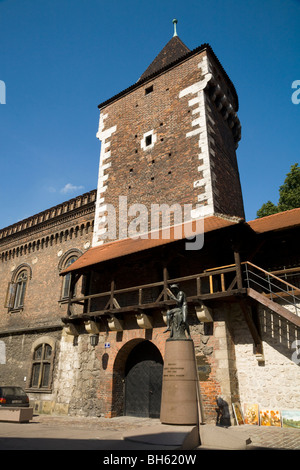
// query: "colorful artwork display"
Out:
[269,417]
[251,414]
[290,418]
[238,413]
[255,415]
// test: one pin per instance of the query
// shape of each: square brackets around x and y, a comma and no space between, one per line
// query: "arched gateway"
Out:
[140,364]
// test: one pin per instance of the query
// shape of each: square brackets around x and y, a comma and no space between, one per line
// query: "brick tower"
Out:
[171,138]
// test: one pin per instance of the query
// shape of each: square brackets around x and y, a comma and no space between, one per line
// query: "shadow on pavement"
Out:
[15,443]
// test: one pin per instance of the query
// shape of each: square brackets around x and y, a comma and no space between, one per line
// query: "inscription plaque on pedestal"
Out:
[179,403]
[180,388]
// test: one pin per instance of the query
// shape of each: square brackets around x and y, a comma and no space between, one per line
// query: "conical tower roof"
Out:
[173,50]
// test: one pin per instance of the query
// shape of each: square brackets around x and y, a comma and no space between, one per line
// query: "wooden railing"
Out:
[212,283]
[291,275]
[271,285]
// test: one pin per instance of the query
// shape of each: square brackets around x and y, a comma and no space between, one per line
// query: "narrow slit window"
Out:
[148,140]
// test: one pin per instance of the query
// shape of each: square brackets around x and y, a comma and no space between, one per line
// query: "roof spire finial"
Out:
[175,23]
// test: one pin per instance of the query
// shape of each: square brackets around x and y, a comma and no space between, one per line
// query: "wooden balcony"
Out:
[218,283]
[231,282]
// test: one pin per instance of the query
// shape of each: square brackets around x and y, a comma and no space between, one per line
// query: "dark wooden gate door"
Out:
[143,381]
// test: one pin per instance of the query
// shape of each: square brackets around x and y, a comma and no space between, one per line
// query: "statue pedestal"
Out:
[179,402]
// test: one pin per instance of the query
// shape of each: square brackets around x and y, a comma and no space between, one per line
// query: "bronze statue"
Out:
[177,317]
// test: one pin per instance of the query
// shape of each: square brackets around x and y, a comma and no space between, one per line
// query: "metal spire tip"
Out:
[175,31]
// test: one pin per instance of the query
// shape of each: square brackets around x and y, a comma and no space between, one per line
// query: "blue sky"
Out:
[60,58]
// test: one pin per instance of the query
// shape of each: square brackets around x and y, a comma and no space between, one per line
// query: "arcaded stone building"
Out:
[90,337]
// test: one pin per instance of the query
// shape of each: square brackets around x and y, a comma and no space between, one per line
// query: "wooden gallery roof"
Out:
[127,246]
[281,221]
[116,249]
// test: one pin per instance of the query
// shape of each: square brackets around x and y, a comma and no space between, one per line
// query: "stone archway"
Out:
[137,380]
[143,381]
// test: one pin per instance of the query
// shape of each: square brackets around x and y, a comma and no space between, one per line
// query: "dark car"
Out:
[13,396]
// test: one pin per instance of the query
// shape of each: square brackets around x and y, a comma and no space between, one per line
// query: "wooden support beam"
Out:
[252,327]
[239,277]
[270,304]
[112,288]
[74,279]
[211,285]
[232,284]
[223,282]
[198,286]
[166,276]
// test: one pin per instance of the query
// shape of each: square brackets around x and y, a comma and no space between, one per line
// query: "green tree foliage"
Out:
[289,194]
[267,209]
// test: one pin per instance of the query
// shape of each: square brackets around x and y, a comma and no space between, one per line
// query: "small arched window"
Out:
[67,279]
[42,367]
[21,283]
[66,260]
[15,297]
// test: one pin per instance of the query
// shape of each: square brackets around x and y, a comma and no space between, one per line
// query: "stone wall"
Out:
[215,357]
[90,380]
[275,382]
[77,377]
[16,368]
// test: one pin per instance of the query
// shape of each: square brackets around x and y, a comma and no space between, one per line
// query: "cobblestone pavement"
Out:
[105,433]
[261,436]
[271,437]
[120,424]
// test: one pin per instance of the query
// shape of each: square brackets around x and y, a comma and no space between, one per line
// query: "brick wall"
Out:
[111,387]
[225,169]
[40,244]
[41,249]
[43,290]
[181,162]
